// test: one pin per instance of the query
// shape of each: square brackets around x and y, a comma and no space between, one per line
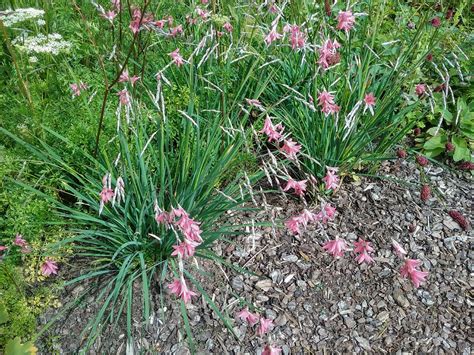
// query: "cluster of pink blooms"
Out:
[299,187]
[177,58]
[180,219]
[289,148]
[328,55]
[345,21]
[369,101]
[327,104]
[49,266]
[190,229]
[125,77]
[297,37]
[107,194]
[124,97]
[420,89]
[77,88]
[272,36]
[294,224]
[331,180]
[363,249]
[140,20]
[264,326]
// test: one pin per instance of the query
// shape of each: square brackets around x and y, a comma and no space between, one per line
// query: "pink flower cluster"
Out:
[140,20]
[331,179]
[77,88]
[49,266]
[289,148]
[362,248]
[264,324]
[107,194]
[345,21]
[327,104]
[179,288]
[299,187]
[190,229]
[328,55]
[177,58]
[297,37]
[125,77]
[294,224]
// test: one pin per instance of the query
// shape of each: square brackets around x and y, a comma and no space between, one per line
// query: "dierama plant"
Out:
[143,215]
[340,93]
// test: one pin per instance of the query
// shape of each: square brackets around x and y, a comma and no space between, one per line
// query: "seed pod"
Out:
[460,219]
[425,193]
[417,131]
[449,147]
[467,165]
[402,154]
[420,159]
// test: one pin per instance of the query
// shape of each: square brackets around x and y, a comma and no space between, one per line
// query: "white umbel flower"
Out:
[10,17]
[52,44]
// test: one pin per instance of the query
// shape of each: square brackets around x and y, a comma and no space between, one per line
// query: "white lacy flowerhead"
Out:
[10,17]
[53,44]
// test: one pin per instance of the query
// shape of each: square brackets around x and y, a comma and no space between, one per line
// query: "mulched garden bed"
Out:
[322,304]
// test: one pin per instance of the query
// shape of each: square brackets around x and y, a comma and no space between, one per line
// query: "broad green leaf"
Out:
[4,317]
[15,347]
[435,142]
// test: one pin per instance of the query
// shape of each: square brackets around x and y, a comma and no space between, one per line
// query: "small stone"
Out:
[281,320]
[350,322]
[238,283]
[383,316]
[364,343]
[290,258]
[264,285]
[400,298]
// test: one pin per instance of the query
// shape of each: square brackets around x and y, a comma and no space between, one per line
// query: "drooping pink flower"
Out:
[270,350]
[264,326]
[345,20]
[420,89]
[109,15]
[398,249]
[3,247]
[327,213]
[160,23]
[107,193]
[335,247]
[19,241]
[76,91]
[254,102]
[274,133]
[204,14]
[180,289]
[188,226]
[297,37]
[175,31]
[163,217]
[328,55]
[369,101]
[185,249]
[177,58]
[327,104]
[135,24]
[249,317]
[294,224]
[49,267]
[290,149]
[228,27]
[409,270]
[298,186]
[124,76]
[331,179]
[272,36]
[124,97]
[363,248]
